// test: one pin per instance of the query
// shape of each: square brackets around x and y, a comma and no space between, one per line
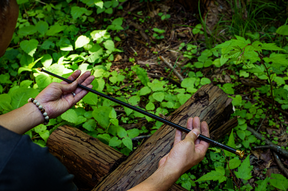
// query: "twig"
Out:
[172,68]
[269,145]
[261,123]
[280,165]
[141,137]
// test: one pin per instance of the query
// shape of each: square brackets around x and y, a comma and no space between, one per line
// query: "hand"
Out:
[188,152]
[57,97]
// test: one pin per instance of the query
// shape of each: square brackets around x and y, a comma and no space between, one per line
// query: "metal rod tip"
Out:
[240,153]
[40,69]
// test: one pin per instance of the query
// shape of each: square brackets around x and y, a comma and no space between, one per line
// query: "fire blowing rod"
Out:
[237,152]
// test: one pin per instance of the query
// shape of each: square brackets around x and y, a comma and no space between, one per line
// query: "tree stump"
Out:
[210,103]
[84,156]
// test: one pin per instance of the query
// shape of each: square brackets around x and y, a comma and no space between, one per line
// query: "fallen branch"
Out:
[269,145]
[172,68]
[280,165]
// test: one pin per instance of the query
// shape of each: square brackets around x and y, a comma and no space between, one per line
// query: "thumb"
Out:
[68,88]
[193,135]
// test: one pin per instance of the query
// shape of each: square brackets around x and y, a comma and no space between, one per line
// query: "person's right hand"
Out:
[188,152]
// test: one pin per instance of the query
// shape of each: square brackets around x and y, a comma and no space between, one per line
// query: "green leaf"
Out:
[128,143]
[244,171]
[231,143]
[27,30]
[109,11]
[159,96]
[81,41]
[70,115]
[156,85]
[114,142]
[188,82]
[279,181]
[42,27]
[183,98]
[205,81]
[279,80]
[283,30]
[241,134]
[90,125]
[91,99]
[133,133]
[234,163]
[218,174]
[150,106]
[44,135]
[46,60]
[113,114]
[142,75]
[40,128]
[22,1]
[263,185]
[43,81]
[101,115]
[77,12]
[160,31]
[134,100]
[144,91]
[121,132]
[19,96]
[55,29]
[29,46]
[237,101]
[109,45]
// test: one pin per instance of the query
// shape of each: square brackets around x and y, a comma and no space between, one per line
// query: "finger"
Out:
[203,145]
[85,83]
[192,135]
[178,136]
[196,125]
[73,76]
[81,94]
[68,88]
[190,123]
[83,77]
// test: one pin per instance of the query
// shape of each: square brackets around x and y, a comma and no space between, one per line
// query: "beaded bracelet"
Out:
[40,107]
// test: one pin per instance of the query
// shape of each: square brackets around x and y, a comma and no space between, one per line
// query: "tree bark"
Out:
[84,156]
[210,103]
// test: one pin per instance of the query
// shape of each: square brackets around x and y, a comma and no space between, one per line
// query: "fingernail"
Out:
[196,132]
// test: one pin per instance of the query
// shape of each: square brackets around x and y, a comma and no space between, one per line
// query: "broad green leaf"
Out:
[231,143]
[150,106]
[128,143]
[244,171]
[64,44]
[133,133]
[22,1]
[101,115]
[142,75]
[55,29]
[121,132]
[43,80]
[234,163]
[26,83]
[241,134]
[42,27]
[113,114]
[46,60]
[262,185]
[40,128]
[91,99]
[283,30]
[47,44]
[156,85]
[81,41]
[205,81]
[114,142]
[183,98]
[70,115]
[218,174]
[144,91]
[90,125]
[188,82]
[27,30]
[19,96]
[77,12]
[279,181]
[134,100]
[109,11]
[104,138]
[279,80]
[29,46]
[237,100]
[44,135]
[109,45]
[159,96]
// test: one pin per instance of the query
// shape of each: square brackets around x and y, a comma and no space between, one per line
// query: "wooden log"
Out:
[210,103]
[84,156]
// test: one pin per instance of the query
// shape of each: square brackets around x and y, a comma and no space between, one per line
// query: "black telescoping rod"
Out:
[207,139]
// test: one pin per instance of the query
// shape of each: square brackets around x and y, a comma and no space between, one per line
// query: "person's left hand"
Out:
[58,97]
